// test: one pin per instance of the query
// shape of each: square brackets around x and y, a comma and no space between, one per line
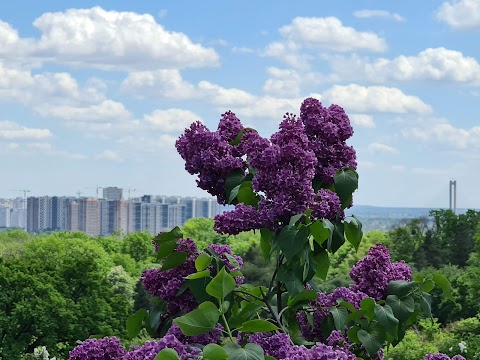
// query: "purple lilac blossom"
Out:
[150,349]
[98,349]
[373,273]
[318,352]
[212,337]
[327,130]
[210,156]
[165,284]
[440,356]
[275,345]
[326,205]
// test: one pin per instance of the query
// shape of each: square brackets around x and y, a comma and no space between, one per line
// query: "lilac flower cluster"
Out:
[150,349]
[279,346]
[373,273]
[225,254]
[321,309]
[440,356]
[327,131]
[284,166]
[212,337]
[98,349]
[209,155]
[165,284]
[318,352]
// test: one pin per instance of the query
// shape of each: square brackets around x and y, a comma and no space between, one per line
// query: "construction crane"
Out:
[96,188]
[24,196]
[129,189]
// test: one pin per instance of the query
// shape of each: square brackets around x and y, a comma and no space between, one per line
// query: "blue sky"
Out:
[95,93]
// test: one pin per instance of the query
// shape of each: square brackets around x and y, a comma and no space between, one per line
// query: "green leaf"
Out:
[258,325]
[292,282]
[400,287]
[247,312]
[197,287]
[233,194]
[249,352]
[294,219]
[337,240]
[346,182]
[239,136]
[134,323]
[425,300]
[202,261]
[246,195]
[402,307]
[225,306]
[323,264]
[321,230]
[221,285]
[266,236]
[444,284]
[386,319]
[199,321]
[198,275]
[353,231]
[173,234]
[214,352]
[233,181]
[305,295]
[368,304]
[428,286]
[340,317]
[167,354]
[372,341]
[173,260]
[290,240]
[166,248]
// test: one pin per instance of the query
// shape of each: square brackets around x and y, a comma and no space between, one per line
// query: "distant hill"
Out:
[386,218]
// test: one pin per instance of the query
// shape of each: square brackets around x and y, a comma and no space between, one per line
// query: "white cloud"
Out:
[382,148]
[429,171]
[460,14]
[438,64]
[362,120]
[109,155]
[242,50]
[374,99]
[12,131]
[221,96]
[107,110]
[440,131]
[165,84]
[171,120]
[330,33]
[109,40]
[367,14]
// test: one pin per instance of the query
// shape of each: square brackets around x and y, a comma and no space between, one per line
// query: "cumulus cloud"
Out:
[382,148]
[460,14]
[441,131]
[313,33]
[437,64]
[355,97]
[165,84]
[13,131]
[109,40]
[330,33]
[109,155]
[219,95]
[171,120]
[362,120]
[107,110]
[367,14]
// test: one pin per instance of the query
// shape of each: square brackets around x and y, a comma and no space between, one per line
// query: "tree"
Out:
[404,241]
[139,246]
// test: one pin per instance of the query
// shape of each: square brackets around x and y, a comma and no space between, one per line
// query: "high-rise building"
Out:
[59,211]
[72,216]
[89,216]
[39,214]
[112,193]
[5,217]
[18,218]
[176,215]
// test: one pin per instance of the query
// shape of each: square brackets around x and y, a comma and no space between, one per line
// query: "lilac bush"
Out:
[293,188]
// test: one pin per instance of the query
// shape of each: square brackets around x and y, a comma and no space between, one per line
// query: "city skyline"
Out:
[97,92]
